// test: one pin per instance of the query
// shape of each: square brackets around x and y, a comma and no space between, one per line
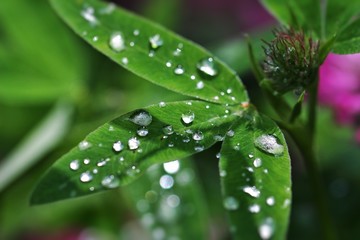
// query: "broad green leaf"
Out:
[38,143]
[305,14]
[178,211]
[255,176]
[119,151]
[53,59]
[170,61]
[339,13]
[348,41]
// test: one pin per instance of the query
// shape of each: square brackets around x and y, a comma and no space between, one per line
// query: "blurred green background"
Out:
[55,89]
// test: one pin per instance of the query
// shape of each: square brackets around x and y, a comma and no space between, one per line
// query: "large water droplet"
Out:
[118,146]
[252,191]
[270,201]
[86,177]
[142,131]
[156,41]
[230,203]
[168,130]
[266,229]
[75,165]
[269,144]
[257,162]
[255,208]
[133,143]
[179,70]
[207,66]
[142,118]
[84,145]
[188,117]
[172,167]
[198,136]
[166,182]
[110,182]
[117,42]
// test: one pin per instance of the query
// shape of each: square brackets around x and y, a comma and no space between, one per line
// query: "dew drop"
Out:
[177,52]
[171,145]
[86,161]
[229,91]
[257,162]
[162,104]
[230,133]
[95,38]
[173,201]
[252,191]
[142,132]
[172,167]
[207,66]
[270,201]
[88,14]
[136,32]
[231,204]
[179,70]
[86,177]
[117,42]
[192,77]
[166,182]
[118,146]
[133,143]
[110,182]
[199,148]
[168,64]
[75,165]
[255,208]
[198,136]
[223,173]
[125,60]
[218,138]
[200,85]
[84,145]
[186,139]
[266,229]
[218,155]
[156,41]
[142,118]
[188,117]
[168,130]
[216,98]
[269,144]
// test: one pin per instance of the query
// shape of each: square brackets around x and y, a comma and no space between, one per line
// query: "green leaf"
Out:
[339,13]
[93,20]
[304,14]
[101,164]
[38,143]
[348,41]
[169,209]
[37,64]
[255,176]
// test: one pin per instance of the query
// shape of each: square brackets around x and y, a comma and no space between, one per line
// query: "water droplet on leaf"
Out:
[110,182]
[168,130]
[198,136]
[179,70]
[207,66]
[86,177]
[142,131]
[230,203]
[266,229]
[75,165]
[133,143]
[257,162]
[142,118]
[255,208]
[252,191]
[84,145]
[269,144]
[118,146]
[156,41]
[172,167]
[117,42]
[188,117]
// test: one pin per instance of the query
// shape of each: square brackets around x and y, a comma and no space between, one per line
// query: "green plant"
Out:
[254,159]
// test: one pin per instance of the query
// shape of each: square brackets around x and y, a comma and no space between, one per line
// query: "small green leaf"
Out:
[255,176]
[119,151]
[169,209]
[348,40]
[151,51]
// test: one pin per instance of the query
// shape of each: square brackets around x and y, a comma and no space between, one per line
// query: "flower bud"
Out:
[291,61]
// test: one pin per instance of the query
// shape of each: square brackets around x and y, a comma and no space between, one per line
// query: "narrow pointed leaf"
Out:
[169,208]
[118,152]
[167,60]
[255,176]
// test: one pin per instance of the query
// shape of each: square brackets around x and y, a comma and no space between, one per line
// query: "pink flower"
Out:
[339,88]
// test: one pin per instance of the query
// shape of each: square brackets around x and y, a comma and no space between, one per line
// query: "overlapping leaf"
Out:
[121,150]
[255,175]
[169,60]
